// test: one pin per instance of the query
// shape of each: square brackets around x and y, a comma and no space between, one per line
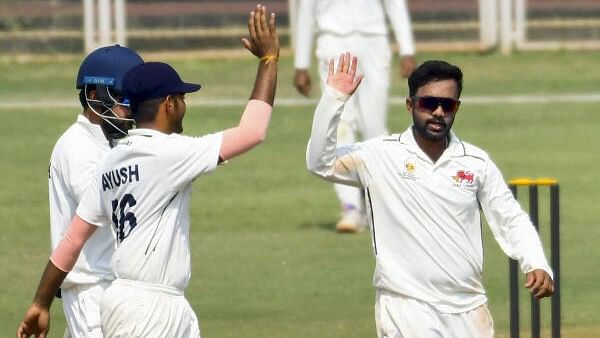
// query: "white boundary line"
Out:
[291,102]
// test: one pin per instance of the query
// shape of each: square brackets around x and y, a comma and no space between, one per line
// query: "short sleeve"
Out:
[90,208]
[189,157]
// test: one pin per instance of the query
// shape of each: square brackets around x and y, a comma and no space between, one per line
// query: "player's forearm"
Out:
[510,224]
[528,246]
[62,260]
[266,80]
[251,131]
[66,253]
[399,16]
[305,28]
[321,150]
[51,280]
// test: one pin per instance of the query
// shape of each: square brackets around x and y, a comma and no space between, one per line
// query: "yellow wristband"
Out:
[268,58]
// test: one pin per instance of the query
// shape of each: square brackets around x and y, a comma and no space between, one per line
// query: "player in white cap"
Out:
[358,26]
[143,189]
[424,188]
[73,165]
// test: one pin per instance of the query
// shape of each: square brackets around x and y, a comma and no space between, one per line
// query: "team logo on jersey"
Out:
[408,172]
[463,177]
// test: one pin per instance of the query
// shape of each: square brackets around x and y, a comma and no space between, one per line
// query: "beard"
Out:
[115,129]
[422,129]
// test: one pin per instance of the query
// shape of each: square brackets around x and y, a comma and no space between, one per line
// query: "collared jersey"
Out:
[73,163]
[343,18]
[143,190]
[425,216]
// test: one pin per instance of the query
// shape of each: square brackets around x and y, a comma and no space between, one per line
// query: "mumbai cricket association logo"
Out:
[463,177]
[408,172]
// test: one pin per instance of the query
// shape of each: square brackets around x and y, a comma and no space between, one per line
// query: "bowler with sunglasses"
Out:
[424,189]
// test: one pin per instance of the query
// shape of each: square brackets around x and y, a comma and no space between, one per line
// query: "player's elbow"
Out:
[319,173]
[317,168]
[257,137]
[252,139]
[311,166]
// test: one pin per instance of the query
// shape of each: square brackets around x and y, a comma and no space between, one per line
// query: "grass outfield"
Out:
[266,262]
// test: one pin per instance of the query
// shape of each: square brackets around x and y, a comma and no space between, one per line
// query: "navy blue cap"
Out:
[107,66]
[153,80]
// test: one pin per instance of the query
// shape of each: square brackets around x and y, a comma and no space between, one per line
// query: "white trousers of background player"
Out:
[397,316]
[366,111]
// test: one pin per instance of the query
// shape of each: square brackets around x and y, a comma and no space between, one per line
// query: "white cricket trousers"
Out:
[401,317]
[141,310]
[366,111]
[81,305]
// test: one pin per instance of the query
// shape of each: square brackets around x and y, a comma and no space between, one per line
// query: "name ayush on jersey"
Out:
[120,176]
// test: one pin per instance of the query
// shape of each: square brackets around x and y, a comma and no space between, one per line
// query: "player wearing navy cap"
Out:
[73,163]
[143,188]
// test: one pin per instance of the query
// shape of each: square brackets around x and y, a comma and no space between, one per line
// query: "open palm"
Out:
[344,79]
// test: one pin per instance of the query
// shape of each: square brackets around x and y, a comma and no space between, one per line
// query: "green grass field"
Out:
[266,261]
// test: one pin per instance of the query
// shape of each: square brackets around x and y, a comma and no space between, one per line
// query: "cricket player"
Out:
[424,188]
[142,191]
[73,164]
[358,26]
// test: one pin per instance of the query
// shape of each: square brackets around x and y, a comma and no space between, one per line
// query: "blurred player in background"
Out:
[144,187]
[73,164]
[424,189]
[358,26]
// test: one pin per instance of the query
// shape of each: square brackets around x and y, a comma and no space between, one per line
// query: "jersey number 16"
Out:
[123,221]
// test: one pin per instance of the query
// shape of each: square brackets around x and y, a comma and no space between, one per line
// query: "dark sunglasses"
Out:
[431,103]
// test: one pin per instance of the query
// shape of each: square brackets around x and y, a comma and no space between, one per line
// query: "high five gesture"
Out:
[344,79]
[263,40]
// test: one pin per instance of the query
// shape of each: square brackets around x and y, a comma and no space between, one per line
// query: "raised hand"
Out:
[540,283]
[344,79]
[36,322]
[263,40]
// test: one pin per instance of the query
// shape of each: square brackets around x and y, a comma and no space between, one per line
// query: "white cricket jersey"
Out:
[424,216]
[73,164]
[347,17]
[143,190]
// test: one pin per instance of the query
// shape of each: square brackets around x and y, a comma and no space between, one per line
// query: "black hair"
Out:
[146,111]
[434,70]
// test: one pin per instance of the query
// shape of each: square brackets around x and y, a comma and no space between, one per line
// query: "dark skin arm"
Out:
[540,283]
[263,42]
[302,81]
[37,318]
[407,65]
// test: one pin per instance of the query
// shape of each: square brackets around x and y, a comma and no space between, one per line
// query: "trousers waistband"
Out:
[148,286]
